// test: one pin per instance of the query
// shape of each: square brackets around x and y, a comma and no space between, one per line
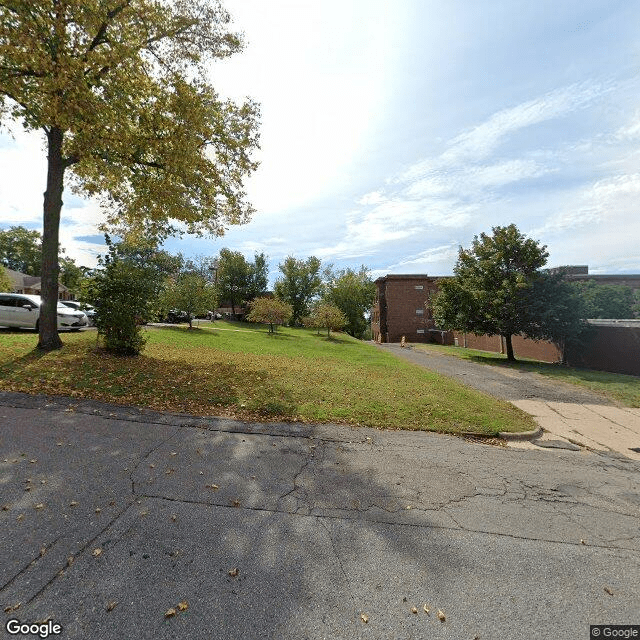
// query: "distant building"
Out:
[402,308]
[402,305]
[580,273]
[22,283]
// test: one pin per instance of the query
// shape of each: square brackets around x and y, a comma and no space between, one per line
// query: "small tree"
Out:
[329,316]
[490,291]
[125,294]
[190,292]
[270,311]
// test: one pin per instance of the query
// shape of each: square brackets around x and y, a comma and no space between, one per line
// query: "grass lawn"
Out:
[239,370]
[618,387]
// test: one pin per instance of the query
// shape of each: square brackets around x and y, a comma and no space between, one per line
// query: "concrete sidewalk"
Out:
[122,523]
[567,413]
[595,427]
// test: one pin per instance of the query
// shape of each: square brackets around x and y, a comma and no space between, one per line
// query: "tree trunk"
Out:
[510,356]
[328,334]
[49,338]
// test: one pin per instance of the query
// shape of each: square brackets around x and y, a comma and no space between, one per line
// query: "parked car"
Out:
[23,310]
[87,309]
[175,316]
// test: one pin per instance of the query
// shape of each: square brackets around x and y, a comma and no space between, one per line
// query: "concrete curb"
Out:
[522,435]
[506,435]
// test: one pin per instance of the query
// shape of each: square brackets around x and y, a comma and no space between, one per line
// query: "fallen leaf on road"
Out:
[111,605]
[73,503]
[414,610]
[97,552]
[20,517]
[183,606]
[608,591]
[426,609]
[43,550]
[363,616]
[69,561]
[582,541]
[235,503]
[6,507]
[170,613]
[174,453]
[40,505]
[174,518]
[441,615]
[33,461]
[215,487]
[98,509]
[152,466]
[234,572]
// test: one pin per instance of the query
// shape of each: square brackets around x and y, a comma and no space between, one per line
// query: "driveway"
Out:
[568,414]
[122,523]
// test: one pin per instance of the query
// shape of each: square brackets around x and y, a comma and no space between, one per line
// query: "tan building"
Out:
[22,283]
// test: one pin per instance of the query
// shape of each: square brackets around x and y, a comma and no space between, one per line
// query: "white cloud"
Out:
[375,197]
[631,130]
[444,253]
[483,139]
[613,199]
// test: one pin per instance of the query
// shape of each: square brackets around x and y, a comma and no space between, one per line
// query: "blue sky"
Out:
[393,132]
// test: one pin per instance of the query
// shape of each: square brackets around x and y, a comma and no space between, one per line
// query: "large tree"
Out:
[119,90]
[353,293]
[258,276]
[233,278]
[490,292]
[21,250]
[558,313]
[299,285]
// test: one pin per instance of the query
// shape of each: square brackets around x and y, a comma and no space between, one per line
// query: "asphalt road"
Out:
[294,532]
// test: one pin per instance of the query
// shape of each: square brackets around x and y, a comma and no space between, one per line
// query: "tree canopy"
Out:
[6,283]
[352,292]
[21,250]
[119,89]
[325,315]
[270,311]
[299,284]
[491,291]
[606,300]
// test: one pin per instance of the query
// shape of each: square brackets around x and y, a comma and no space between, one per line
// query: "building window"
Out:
[418,287]
[419,312]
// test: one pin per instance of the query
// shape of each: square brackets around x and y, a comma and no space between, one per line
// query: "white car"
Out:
[23,310]
[87,309]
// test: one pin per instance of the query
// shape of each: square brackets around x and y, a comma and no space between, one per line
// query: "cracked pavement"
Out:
[322,522]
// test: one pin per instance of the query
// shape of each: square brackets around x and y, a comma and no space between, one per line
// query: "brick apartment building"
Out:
[401,308]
